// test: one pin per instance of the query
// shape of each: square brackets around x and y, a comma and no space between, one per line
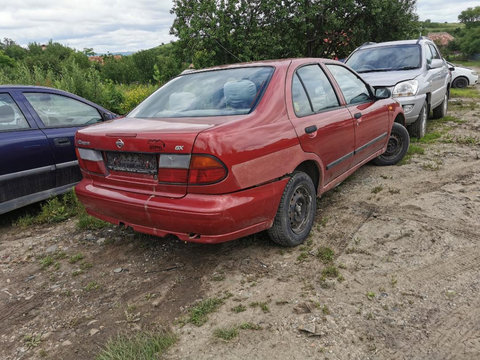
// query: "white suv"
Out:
[417,75]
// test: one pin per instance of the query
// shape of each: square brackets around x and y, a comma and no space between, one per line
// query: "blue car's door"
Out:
[59,117]
[27,168]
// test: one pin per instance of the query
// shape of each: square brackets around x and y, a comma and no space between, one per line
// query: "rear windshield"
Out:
[211,93]
[386,58]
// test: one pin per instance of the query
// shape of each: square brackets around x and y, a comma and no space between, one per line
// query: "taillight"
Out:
[194,169]
[206,169]
[91,160]
[173,168]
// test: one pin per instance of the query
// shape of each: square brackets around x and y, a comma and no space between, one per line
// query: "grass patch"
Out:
[92,285]
[302,257]
[325,254]
[262,305]
[470,93]
[144,345]
[198,315]
[46,262]
[430,137]
[75,258]
[250,326]
[239,308]
[377,189]
[370,295]
[226,334]
[61,208]
[330,271]
[412,150]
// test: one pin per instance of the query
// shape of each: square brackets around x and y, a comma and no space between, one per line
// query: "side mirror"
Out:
[382,93]
[436,63]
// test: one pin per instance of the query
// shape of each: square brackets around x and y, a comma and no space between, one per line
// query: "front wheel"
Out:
[441,110]
[419,127]
[397,146]
[296,212]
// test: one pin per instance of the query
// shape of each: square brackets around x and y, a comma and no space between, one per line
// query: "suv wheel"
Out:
[419,127]
[296,211]
[441,110]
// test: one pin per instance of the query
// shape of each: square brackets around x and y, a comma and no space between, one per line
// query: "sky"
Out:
[129,25]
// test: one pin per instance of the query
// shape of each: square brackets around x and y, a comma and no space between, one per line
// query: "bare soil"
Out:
[407,251]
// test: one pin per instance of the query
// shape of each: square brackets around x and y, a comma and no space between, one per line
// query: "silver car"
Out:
[414,71]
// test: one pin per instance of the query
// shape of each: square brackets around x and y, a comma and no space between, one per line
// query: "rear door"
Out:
[60,117]
[371,117]
[26,161]
[322,125]
[437,77]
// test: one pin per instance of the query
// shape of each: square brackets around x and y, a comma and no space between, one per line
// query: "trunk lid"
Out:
[131,148]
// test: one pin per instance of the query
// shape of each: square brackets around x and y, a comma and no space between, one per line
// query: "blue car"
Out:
[37,153]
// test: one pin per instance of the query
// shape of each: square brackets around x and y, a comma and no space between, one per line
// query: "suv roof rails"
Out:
[367,43]
[421,38]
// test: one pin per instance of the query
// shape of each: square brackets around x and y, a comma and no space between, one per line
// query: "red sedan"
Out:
[225,152]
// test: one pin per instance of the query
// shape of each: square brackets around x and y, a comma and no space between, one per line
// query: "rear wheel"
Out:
[441,110]
[296,212]
[460,82]
[419,127]
[397,146]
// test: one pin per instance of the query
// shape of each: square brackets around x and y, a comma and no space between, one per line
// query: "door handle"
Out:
[310,129]
[61,141]
[357,116]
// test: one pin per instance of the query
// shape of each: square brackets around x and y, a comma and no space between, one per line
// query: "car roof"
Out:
[275,63]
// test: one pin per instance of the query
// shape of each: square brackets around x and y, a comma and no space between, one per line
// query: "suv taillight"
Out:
[91,160]
[194,169]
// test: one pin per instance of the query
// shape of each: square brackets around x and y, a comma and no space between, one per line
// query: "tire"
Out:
[296,211]
[441,110]
[397,146]
[460,82]
[419,127]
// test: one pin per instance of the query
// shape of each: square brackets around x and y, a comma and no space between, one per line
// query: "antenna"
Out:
[223,47]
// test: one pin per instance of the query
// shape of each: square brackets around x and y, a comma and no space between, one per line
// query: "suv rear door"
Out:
[26,161]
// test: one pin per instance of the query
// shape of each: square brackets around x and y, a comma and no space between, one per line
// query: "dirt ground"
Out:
[404,282]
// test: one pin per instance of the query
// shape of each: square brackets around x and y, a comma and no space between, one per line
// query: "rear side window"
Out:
[354,90]
[11,118]
[61,111]
[312,91]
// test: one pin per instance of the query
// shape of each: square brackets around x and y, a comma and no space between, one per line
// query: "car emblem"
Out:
[119,143]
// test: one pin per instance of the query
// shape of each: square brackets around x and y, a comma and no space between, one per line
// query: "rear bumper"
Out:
[195,217]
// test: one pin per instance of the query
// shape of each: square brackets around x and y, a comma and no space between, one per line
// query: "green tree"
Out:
[215,32]
[470,17]
[470,42]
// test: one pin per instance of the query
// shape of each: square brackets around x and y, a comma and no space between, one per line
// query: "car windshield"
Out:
[210,93]
[386,58]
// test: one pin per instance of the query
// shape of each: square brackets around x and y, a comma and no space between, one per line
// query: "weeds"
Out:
[46,262]
[377,189]
[198,315]
[370,295]
[226,334]
[92,285]
[470,93]
[143,345]
[262,305]
[325,254]
[75,258]
[330,271]
[250,326]
[239,308]
[32,341]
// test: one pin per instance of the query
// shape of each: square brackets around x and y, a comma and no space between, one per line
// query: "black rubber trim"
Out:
[338,161]
[371,142]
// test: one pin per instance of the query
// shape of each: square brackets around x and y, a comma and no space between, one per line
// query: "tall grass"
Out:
[86,83]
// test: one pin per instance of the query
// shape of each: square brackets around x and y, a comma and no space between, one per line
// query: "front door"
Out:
[371,123]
